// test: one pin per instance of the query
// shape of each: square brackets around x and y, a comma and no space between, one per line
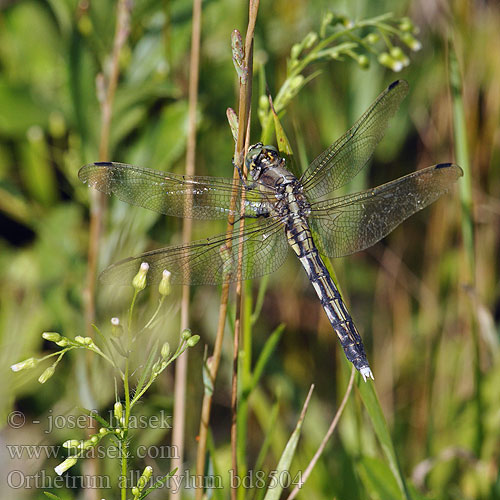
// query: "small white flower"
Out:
[64,466]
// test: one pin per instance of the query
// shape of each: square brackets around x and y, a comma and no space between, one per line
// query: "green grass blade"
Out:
[146,372]
[51,495]
[218,493]
[267,438]
[462,157]
[265,354]
[274,491]
[378,479]
[93,414]
[159,484]
[372,405]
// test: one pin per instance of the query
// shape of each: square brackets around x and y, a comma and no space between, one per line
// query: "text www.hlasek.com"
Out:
[34,452]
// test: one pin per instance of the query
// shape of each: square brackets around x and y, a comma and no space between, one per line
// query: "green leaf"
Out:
[265,354]
[378,479]
[51,495]
[146,372]
[36,167]
[207,380]
[372,405]
[118,347]
[281,138]
[20,110]
[96,416]
[159,483]
[268,437]
[82,89]
[132,104]
[212,471]
[274,491]
[163,141]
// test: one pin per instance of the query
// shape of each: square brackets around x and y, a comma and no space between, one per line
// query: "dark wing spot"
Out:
[393,84]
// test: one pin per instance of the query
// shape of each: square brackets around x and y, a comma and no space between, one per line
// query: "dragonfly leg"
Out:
[252,216]
[244,181]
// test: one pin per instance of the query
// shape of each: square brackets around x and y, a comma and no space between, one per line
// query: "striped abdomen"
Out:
[300,239]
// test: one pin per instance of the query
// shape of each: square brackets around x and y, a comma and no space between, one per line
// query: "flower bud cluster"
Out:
[80,446]
[142,482]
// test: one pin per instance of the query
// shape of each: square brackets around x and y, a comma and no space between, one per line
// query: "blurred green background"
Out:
[427,305]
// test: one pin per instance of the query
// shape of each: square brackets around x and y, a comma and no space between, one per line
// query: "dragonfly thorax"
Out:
[266,166]
[292,203]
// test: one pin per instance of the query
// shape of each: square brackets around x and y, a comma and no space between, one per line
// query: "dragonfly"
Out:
[280,211]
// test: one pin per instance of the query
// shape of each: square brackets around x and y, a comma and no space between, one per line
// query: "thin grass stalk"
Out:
[182,362]
[462,157]
[214,360]
[234,395]
[238,314]
[245,380]
[241,412]
[213,367]
[241,148]
[237,446]
[105,95]
[327,437]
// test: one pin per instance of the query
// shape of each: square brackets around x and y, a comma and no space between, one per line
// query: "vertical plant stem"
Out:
[240,149]
[105,93]
[325,440]
[214,360]
[124,440]
[462,157]
[182,361]
[238,429]
[207,397]
[234,393]
[244,381]
[126,390]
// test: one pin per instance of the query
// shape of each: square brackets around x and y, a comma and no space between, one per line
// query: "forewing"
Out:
[351,223]
[347,156]
[212,260]
[171,194]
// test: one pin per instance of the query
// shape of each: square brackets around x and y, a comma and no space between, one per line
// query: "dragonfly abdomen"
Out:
[300,239]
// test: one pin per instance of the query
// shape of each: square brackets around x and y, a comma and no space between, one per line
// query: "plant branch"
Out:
[241,148]
[105,95]
[325,440]
[182,361]
[214,361]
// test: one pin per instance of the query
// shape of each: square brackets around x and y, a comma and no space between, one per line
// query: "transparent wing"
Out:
[168,193]
[351,223]
[209,261]
[347,156]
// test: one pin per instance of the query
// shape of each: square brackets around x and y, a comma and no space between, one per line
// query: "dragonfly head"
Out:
[259,158]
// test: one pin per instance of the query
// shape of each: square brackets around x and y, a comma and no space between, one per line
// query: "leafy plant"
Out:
[118,343]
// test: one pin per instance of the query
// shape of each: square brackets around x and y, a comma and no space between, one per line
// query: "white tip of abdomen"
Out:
[366,373]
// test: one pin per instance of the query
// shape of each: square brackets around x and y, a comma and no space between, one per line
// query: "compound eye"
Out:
[271,153]
[252,155]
